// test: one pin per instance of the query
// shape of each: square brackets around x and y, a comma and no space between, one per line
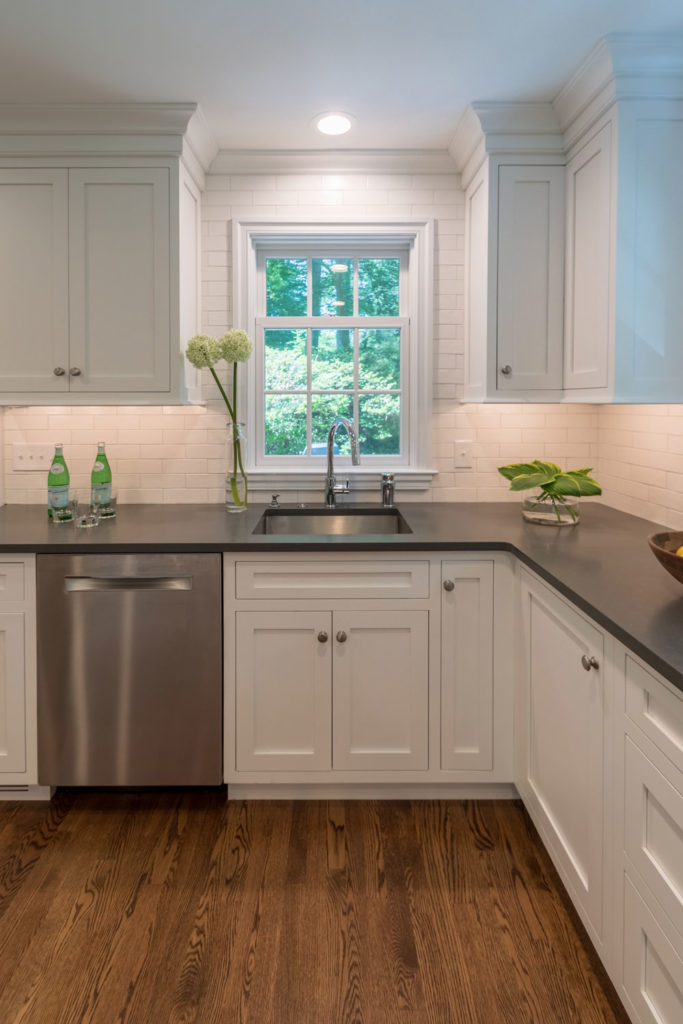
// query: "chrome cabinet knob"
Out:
[589,662]
[322,637]
[506,370]
[341,636]
[448,585]
[59,371]
[74,371]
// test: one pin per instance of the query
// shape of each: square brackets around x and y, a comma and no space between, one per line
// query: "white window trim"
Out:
[251,233]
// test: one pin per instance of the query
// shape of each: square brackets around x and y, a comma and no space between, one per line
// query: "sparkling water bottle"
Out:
[58,488]
[100,481]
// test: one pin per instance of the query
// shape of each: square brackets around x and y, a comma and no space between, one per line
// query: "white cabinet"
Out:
[561,771]
[467,679]
[649,843]
[514,281]
[18,723]
[322,690]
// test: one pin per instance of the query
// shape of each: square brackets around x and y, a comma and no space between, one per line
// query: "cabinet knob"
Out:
[322,637]
[341,636]
[59,371]
[506,370]
[74,371]
[448,585]
[589,663]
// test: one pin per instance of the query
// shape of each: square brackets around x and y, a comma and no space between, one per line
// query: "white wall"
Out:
[178,454]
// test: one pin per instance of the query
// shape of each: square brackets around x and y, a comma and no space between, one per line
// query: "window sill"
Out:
[359,481]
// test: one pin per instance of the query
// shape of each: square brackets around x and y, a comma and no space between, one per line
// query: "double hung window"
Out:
[336,333]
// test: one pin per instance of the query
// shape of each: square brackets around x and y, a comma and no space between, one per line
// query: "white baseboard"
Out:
[365,791]
[26,792]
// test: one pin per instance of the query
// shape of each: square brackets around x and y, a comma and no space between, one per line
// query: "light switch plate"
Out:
[463,455]
[26,457]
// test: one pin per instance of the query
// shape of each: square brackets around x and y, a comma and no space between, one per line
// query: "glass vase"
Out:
[236,490]
[551,511]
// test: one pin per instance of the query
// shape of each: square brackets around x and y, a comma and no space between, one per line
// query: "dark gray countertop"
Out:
[603,565]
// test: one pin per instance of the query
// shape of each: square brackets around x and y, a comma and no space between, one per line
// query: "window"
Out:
[340,329]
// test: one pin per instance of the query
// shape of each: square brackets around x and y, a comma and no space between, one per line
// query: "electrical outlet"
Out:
[26,457]
[463,455]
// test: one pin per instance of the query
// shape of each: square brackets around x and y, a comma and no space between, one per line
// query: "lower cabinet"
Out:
[18,723]
[317,690]
[561,769]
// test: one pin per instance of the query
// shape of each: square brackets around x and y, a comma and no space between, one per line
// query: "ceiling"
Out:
[262,69]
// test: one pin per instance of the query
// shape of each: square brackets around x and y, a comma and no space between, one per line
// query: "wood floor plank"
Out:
[180,907]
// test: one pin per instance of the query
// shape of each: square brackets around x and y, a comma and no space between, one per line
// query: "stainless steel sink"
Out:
[331,522]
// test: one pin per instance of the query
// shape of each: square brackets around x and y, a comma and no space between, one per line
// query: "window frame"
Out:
[255,239]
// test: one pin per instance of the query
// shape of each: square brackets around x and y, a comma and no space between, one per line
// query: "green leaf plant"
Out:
[555,484]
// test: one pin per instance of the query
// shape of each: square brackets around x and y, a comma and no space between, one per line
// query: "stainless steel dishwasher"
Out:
[129,670]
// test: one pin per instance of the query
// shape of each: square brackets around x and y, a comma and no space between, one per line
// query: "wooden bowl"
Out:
[664,547]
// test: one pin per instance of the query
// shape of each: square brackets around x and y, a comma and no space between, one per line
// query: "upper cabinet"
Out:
[574,219]
[99,259]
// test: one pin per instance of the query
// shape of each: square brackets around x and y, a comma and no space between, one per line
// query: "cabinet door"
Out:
[381,690]
[12,694]
[589,287]
[283,668]
[34,320]
[119,279]
[467,666]
[562,773]
[530,278]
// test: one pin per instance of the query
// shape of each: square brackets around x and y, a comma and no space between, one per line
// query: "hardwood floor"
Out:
[176,907]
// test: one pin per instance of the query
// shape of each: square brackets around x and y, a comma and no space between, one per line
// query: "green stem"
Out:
[225,397]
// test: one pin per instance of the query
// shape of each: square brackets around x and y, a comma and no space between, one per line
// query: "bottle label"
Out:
[100,494]
[98,466]
[58,497]
[56,468]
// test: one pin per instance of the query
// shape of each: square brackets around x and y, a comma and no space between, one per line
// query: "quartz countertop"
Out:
[603,565]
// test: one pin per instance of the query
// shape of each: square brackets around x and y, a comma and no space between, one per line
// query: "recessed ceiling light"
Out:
[333,123]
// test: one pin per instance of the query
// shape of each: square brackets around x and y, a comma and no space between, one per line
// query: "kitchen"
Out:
[169,455]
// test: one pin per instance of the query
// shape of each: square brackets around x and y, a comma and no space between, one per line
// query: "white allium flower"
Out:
[236,346]
[203,350]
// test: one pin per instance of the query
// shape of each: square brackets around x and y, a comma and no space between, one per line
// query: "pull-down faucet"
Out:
[332,488]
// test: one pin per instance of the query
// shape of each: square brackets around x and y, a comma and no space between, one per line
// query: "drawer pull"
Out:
[448,585]
[341,636]
[59,371]
[322,637]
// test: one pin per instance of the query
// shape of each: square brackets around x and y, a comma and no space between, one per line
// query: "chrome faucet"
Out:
[332,488]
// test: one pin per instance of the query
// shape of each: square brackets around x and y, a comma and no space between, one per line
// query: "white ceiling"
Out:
[261,69]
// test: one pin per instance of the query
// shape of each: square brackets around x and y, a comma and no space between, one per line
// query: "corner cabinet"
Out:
[18,721]
[91,274]
[355,669]
[514,281]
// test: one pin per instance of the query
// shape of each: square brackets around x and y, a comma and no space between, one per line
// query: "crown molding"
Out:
[330,161]
[620,66]
[94,129]
[498,129]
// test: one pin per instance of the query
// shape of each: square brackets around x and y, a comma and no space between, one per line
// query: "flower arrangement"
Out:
[556,485]
[203,352]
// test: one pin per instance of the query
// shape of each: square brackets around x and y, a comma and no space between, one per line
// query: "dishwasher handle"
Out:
[73,584]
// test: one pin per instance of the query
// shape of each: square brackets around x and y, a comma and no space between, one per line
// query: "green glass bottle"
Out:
[58,488]
[100,481]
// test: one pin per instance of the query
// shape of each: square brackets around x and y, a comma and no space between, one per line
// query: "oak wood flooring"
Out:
[177,907]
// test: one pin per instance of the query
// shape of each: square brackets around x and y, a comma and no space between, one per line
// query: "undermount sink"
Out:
[331,522]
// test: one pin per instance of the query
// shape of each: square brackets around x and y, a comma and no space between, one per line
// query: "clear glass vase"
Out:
[236,489]
[550,511]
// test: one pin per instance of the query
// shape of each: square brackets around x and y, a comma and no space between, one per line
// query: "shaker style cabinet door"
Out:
[12,694]
[467,666]
[34,313]
[561,747]
[283,665]
[381,690]
[119,279]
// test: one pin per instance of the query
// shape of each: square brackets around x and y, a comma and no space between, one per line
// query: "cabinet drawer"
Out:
[652,963]
[330,580]
[11,581]
[653,828]
[657,711]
